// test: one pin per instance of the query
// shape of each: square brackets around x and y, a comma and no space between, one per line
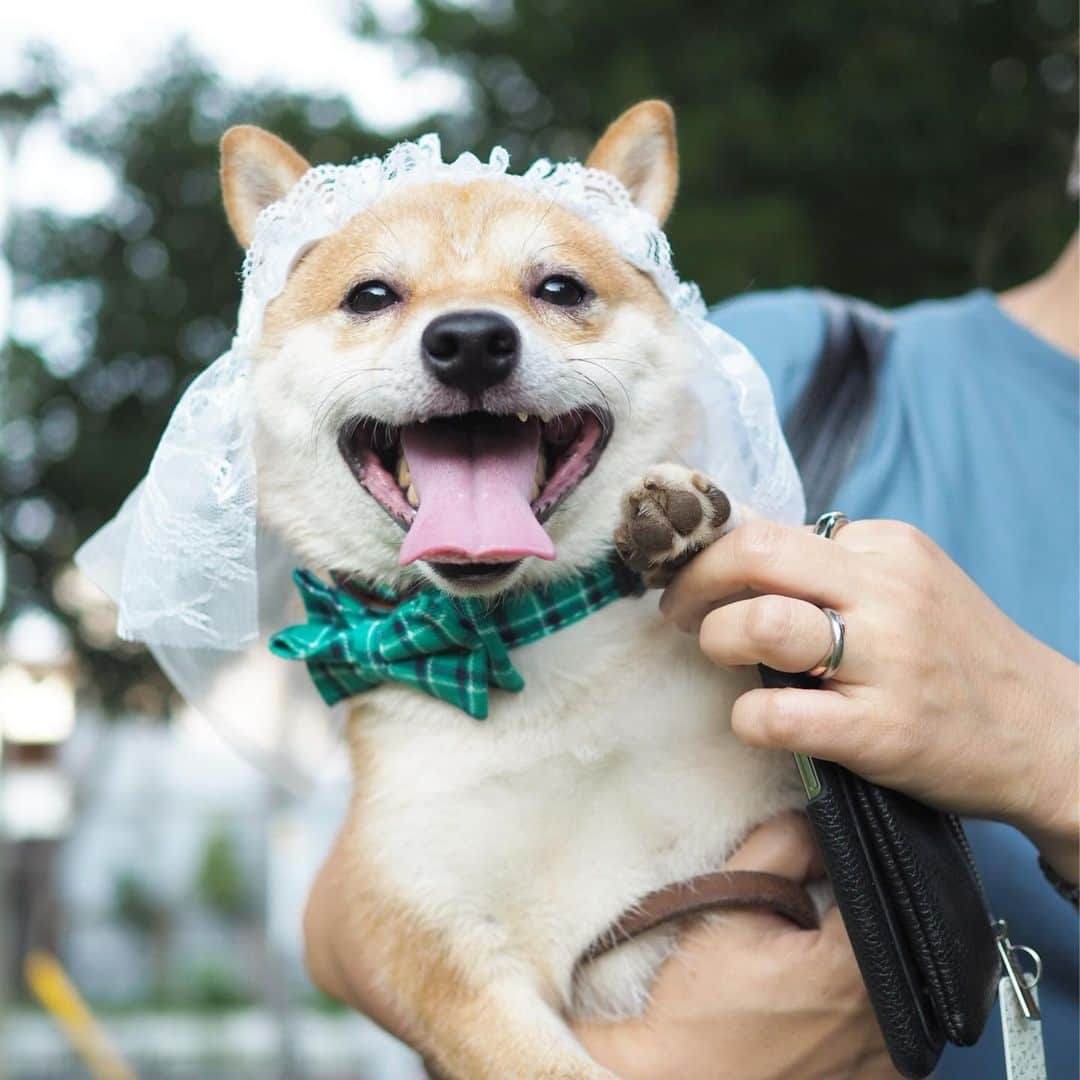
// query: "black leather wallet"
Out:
[910,896]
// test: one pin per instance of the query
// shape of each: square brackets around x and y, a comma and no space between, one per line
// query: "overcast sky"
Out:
[107,45]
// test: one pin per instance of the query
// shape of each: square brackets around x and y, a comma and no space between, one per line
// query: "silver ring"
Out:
[830,662]
[828,525]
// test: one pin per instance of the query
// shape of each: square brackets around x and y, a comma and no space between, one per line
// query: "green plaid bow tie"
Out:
[451,647]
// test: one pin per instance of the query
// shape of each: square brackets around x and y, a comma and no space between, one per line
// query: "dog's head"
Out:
[462,379]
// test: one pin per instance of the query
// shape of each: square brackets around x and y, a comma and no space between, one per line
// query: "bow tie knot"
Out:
[453,648]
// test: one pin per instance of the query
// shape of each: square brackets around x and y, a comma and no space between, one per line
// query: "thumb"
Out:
[785,846]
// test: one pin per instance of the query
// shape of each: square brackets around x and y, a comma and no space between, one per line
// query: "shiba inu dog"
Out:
[459,386]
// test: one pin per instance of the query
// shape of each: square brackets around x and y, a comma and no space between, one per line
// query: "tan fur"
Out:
[640,149]
[495,246]
[257,168]
[464,1026]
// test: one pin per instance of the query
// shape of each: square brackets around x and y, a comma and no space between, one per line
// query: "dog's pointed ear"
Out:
[257,168]
[639,148]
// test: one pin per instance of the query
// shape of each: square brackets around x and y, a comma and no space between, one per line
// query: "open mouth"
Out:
[472,491]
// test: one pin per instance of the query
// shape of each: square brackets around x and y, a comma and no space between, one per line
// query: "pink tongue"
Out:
[474,477]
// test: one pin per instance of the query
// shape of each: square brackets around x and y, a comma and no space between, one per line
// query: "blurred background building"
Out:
[896,149]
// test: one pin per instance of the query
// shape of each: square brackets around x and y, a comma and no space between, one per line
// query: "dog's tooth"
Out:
[404,477]
[535,493]
[411,497]
[541,469]
[523,416]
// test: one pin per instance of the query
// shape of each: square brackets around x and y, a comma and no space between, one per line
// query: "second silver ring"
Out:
[830,662]
[829,524]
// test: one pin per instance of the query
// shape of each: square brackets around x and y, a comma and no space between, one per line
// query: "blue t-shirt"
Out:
[975,440]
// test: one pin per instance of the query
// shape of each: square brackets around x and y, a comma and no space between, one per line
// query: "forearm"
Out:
[1048,705]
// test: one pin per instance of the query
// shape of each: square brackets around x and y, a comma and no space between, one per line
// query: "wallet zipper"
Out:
[1017,977]
[969,856]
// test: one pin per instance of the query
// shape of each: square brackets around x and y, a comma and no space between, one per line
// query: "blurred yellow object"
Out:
[58,996]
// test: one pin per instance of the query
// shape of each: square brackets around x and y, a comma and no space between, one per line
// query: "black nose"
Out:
[471,350]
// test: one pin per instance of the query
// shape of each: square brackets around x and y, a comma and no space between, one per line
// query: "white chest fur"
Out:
[613,773]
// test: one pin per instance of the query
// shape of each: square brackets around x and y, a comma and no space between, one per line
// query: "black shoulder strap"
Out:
[832,415]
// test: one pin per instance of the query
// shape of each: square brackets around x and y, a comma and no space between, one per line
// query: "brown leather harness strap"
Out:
[726,890]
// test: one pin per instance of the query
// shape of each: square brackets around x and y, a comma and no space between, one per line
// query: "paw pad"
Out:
[668,518]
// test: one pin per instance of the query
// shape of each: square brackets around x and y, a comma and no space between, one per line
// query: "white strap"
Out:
[1025,1058]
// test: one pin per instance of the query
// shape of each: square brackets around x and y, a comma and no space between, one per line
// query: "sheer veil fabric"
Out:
[195,578]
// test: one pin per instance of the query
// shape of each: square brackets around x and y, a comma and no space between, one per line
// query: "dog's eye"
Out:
[369,296]
[561,290]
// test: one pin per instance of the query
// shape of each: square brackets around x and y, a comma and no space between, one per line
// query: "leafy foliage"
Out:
[897,149]
[214,987]
[221,881]
[137,905]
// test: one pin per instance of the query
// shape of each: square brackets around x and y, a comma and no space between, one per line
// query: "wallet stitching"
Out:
[928,1027]
[945,1004]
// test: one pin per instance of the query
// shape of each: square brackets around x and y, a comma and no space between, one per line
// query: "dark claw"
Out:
[721,505]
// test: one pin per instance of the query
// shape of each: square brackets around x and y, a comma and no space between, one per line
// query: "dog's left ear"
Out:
[257,168]
[639,149]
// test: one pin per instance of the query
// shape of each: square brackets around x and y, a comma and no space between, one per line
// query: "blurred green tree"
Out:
[213,987]
[221,882]
[138,906]
[896,149]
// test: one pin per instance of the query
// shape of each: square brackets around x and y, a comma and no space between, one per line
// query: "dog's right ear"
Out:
[257,168]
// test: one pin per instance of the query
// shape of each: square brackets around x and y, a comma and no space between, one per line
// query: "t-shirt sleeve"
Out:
[785,330]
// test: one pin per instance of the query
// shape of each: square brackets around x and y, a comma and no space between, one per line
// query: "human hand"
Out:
[752,996]
[939,694]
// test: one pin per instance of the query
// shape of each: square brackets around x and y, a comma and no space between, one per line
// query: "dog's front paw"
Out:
[668,517]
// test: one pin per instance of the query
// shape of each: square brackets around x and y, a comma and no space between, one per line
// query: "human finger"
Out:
[785,634]
[827,723]
[765,558]
[784,845]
